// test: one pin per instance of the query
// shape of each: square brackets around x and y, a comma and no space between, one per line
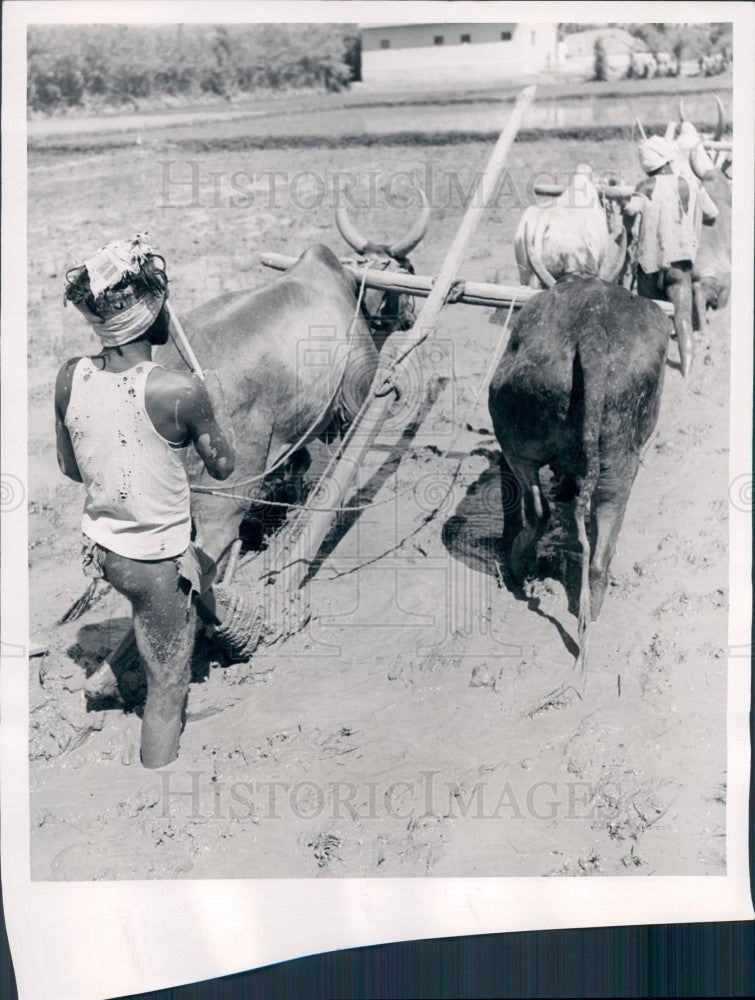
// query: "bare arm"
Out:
[209,427]
[66,457]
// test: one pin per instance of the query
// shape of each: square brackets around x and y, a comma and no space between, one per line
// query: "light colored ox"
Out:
[571,236]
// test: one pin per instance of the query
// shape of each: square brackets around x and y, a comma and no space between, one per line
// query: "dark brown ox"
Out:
[571,235]
[292,357]
[578,389]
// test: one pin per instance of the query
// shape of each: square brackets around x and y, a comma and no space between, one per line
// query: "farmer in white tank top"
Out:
[123,426]
[670,210]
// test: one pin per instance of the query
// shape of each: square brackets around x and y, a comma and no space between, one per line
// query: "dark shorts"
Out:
[194,567]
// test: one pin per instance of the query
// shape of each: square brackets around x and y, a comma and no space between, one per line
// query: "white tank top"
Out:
[137,491]
[669,233]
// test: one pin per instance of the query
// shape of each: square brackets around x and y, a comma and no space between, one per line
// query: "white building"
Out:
[403,55]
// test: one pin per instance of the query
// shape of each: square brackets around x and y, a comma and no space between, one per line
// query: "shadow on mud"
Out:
[344,521]
[94,642]
[472,534]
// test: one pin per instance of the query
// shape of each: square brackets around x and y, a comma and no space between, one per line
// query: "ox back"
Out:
[282,353]
[578,389]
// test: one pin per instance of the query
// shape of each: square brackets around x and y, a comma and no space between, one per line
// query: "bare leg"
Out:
[165,634]
[679,291]
[164,626]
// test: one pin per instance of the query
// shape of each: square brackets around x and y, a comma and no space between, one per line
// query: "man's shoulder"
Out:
[167,380]
[166,387]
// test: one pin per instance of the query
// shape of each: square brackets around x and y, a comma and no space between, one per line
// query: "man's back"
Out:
[137,500]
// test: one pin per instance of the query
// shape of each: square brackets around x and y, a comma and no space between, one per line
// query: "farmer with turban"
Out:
[123,427]
[668,209]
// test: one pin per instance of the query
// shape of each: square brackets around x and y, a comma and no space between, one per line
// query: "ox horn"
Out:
[670,131]
[410,239]
[721,119]
[536,261]
[348,230]
[682,116]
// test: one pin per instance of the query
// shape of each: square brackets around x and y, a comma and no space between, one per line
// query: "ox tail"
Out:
[592,346]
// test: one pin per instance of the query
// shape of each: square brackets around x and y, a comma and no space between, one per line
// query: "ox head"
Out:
[703,151]
[386,311]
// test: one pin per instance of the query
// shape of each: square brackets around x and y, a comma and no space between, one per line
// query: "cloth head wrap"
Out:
[655,152]
[125,313]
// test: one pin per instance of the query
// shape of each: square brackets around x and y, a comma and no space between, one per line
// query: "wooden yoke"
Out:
[333,488]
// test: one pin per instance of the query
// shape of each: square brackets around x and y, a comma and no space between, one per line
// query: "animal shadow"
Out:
[473,535]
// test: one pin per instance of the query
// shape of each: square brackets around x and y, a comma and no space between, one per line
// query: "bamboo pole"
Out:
[181,341]
[475,293]
[375,410]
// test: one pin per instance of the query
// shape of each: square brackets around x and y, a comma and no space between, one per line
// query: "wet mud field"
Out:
[423,722]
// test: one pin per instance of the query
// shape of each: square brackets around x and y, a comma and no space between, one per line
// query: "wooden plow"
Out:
[473,293]
[277,594]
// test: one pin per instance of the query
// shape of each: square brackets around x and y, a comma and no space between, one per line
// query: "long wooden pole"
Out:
[313,533]
[475,293]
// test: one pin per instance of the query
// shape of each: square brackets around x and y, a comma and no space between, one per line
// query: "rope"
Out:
[409,488]
[222,491]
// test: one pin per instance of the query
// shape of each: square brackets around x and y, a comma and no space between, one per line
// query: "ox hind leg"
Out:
[607,515]
[608,508]
[525,514]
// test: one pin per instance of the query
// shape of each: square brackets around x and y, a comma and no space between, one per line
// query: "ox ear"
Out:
[403,246]
[721,119]
[699,160]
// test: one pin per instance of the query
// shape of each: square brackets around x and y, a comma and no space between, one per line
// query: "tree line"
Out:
[87,65]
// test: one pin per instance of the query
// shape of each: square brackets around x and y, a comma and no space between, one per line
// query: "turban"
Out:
[655,152]
[126,306]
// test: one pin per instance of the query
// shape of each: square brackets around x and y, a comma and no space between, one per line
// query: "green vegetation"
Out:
[101,65]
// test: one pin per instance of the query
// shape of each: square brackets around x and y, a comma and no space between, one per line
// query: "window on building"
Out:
[505,36]
[385,43]
[438,40]
[466,39]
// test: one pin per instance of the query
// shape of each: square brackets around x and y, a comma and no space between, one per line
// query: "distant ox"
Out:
[578,389]
[700,158]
